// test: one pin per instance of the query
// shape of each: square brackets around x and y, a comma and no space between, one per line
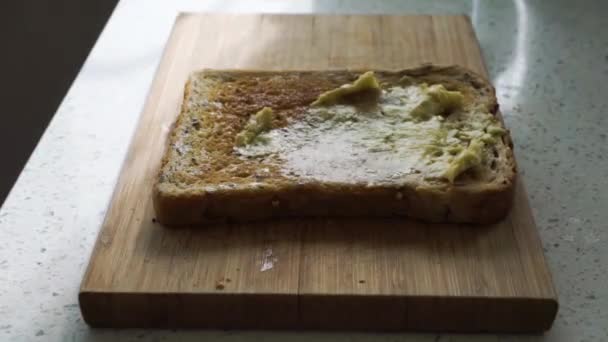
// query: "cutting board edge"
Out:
[325,312]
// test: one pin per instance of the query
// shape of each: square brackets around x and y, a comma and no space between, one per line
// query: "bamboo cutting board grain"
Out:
[325,273]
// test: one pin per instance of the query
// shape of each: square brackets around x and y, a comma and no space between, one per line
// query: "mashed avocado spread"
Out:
[365,82]
[468,158]
[437,101]
[413,128]
[258,123]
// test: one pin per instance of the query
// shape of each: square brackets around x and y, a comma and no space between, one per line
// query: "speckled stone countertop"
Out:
[548,59]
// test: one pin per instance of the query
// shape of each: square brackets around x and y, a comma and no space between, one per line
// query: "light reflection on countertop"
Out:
[514,74]
[548,59]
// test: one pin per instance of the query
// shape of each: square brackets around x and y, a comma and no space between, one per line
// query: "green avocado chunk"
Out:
[365,82]
[258,123]
[437,102]
[470,157]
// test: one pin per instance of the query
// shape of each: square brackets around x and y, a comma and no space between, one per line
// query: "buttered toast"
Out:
[425,143]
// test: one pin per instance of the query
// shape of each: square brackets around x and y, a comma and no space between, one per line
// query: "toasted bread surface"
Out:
[322,170]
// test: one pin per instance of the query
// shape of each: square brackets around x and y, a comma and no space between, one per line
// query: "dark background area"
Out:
[44,44]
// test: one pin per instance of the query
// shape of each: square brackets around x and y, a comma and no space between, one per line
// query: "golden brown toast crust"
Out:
[202,179]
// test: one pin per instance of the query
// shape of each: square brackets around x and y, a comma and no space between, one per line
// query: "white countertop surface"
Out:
[549,61]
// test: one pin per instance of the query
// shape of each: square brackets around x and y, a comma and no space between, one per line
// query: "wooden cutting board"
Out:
[321,274]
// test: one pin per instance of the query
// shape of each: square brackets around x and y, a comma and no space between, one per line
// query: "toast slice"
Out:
[426,143]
